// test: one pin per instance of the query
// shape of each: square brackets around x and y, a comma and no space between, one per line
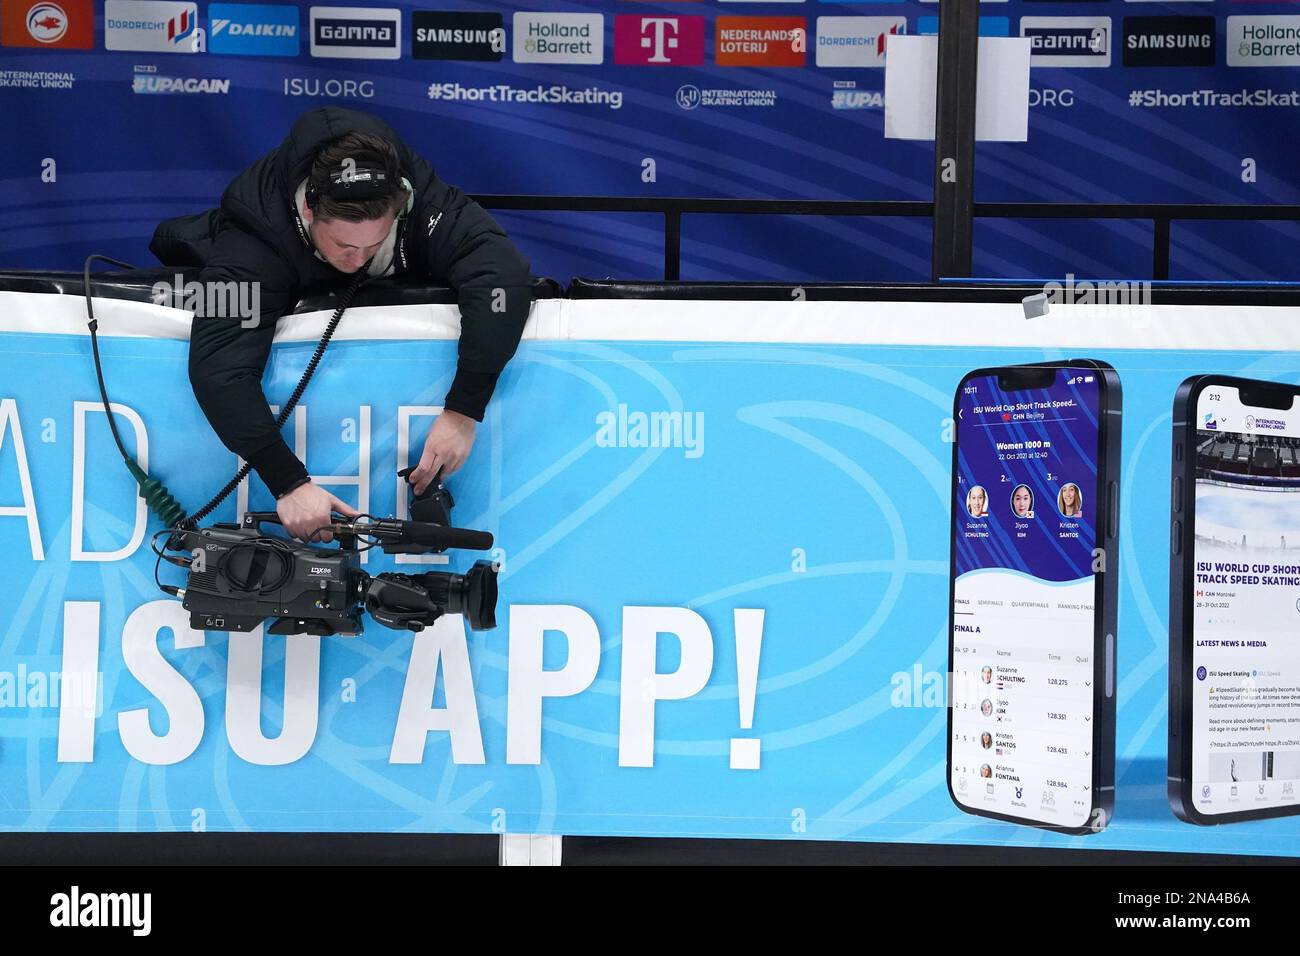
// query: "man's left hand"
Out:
[449,443]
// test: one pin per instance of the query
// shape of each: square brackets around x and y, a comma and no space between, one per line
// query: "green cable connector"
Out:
[156,496]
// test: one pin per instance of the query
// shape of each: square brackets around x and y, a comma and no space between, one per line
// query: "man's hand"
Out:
[307,508]
[448,445]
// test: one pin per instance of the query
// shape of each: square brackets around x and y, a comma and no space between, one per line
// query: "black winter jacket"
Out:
[255,236]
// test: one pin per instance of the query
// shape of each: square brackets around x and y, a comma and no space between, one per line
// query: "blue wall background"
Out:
[127,160]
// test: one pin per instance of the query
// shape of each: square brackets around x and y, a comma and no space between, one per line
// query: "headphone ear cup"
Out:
[410,195]
[311,196]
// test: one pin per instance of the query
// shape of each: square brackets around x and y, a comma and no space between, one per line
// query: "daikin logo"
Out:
[635,429]
[254,29]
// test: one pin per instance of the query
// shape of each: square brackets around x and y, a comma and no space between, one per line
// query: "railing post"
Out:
[672,245]
[1160,254]
[954,139]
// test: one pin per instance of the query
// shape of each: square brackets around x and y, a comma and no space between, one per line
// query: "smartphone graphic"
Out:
[1234,601]
[1034,569]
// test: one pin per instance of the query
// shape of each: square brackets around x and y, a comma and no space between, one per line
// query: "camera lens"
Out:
[473,594]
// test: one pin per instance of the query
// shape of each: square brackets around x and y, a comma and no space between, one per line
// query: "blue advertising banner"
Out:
[724,578]
[124,112]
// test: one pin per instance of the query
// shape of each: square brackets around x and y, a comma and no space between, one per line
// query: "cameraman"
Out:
[340,194]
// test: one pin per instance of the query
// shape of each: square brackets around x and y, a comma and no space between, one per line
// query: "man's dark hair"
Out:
[366,150]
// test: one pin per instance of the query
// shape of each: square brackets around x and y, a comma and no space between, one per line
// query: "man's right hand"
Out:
[307,508]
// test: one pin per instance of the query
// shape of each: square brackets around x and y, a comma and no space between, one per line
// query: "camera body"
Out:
[245,577]
[240,576]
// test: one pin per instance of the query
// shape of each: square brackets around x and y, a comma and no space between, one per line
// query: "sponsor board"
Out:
[253,29]
[855,41]
[356,33]
[1263,41]
[558,38]
[65,25]
[761,41]
[1068,41]
[658,40]
[1169,41]
[447,35]
[153,26]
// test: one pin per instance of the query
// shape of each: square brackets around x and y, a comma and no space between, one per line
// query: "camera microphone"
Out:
[437,536]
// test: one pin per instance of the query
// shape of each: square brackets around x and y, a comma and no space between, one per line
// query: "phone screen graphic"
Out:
[1026,519]
[1245,605]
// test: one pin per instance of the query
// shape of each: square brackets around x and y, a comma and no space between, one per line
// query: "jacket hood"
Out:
[315,128]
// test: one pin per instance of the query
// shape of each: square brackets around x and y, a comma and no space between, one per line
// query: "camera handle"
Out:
[342,528]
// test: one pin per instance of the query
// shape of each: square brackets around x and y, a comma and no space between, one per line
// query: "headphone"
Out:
[357,183]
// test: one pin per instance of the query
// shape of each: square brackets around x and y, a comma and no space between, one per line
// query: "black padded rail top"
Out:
[137,285]
[1009,291]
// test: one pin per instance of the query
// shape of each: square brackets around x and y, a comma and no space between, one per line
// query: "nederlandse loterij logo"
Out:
[559,38]
[1263,41]
[253,29]
[156,26]
[358,33]
[1067,41]
[448,35]
[658,41]
[761,41]
[856,41]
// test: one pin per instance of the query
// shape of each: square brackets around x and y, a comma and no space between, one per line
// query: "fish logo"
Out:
[47,23]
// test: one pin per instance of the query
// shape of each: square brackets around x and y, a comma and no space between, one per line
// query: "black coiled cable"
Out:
[190,522]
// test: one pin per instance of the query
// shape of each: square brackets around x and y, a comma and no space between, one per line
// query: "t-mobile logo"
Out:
[658,41]
[656,34]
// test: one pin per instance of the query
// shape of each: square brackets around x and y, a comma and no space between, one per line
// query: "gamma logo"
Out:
[253,29]
[356,33]
[1067,41]
[1169,41]
[155,26]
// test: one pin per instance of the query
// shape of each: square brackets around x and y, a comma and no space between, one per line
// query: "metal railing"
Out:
[1161,215]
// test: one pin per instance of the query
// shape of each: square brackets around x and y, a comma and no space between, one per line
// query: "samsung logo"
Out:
[453,36]
[1171,41]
